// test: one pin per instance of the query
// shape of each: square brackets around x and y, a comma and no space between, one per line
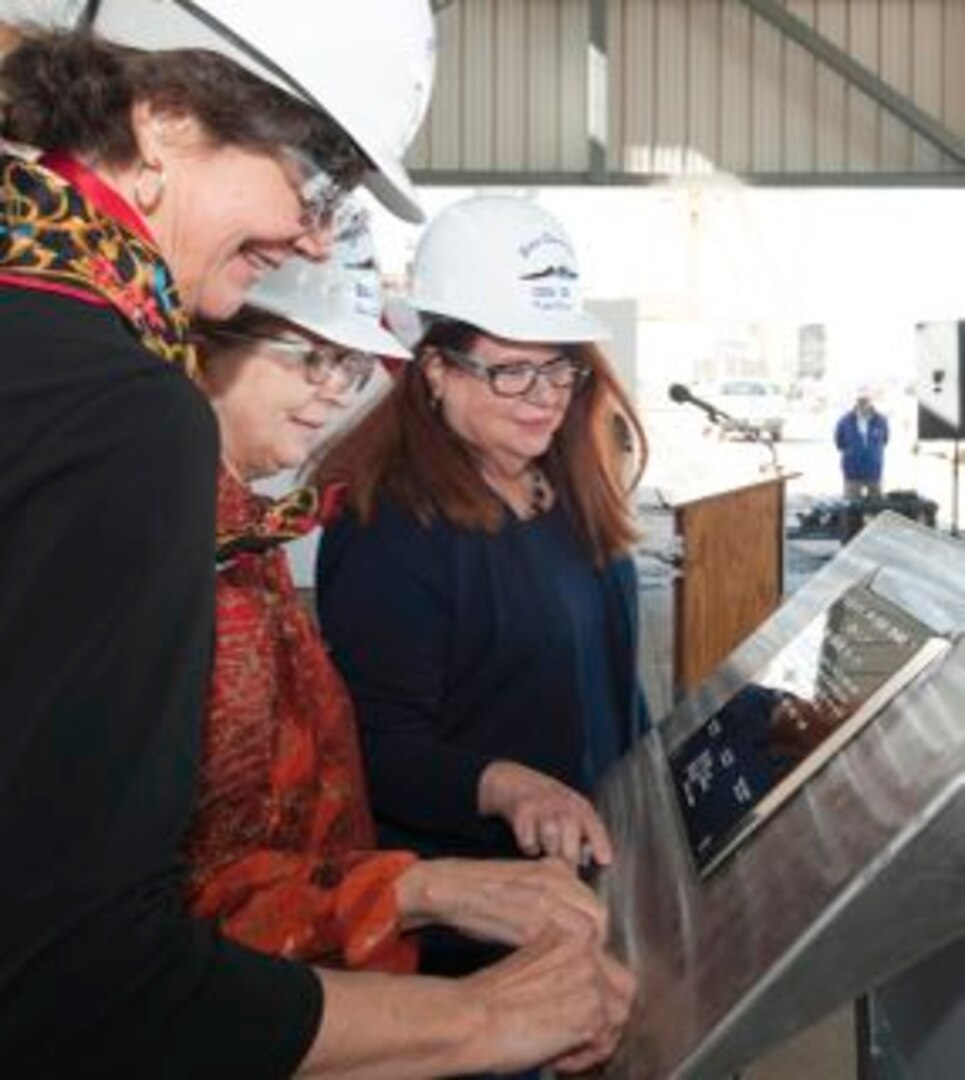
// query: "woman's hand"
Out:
[561,992]
[545,815]
[510,901]
[617,997]
[560,999]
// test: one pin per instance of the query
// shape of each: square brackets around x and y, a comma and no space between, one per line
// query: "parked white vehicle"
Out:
[754,408]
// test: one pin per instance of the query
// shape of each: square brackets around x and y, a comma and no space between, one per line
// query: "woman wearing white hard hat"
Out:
[281,846]
[480,599]
[181,165]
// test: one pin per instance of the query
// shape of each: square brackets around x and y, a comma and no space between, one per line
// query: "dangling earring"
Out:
[435,394]
[149,186]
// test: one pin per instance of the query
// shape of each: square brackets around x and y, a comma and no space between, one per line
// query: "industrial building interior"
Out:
[768,201]
[763,189]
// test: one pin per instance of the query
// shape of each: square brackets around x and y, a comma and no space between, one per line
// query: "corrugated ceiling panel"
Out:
[574,36]
[544,84]
[863,116]
[512,104]
[831,96]
[799,138]
[703,104]
[477,100]
[511,88]
[672,45]
[735,97]
[953,65]
[926,47]
[768,118]
[895,68]
[693,85]
[631,28]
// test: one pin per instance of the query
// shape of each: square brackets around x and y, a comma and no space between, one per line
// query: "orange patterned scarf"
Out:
[282,846]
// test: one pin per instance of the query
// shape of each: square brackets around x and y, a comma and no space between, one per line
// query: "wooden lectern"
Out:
[731,575]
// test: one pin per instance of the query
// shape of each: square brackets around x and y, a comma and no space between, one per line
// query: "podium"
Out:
[731,573]
[838,874]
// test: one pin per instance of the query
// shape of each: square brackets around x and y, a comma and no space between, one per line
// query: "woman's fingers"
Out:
[597,840]
[556,997]
[551,831]
[569,829]
[526,829]
[547,817]
[507,900]
[618,993]
[563,825]
[572,835]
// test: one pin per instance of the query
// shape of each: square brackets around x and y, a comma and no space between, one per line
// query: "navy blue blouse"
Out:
[461,648]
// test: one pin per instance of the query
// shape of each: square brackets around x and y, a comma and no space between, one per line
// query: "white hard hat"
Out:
[49,14]
[506,266]
[369,64]
[340,299]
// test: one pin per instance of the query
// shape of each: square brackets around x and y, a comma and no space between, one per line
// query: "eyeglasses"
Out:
[321,189]
[320,197]
[516,378]
[322,362]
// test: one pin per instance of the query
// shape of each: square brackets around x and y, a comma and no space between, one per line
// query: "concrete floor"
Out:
[823,1052]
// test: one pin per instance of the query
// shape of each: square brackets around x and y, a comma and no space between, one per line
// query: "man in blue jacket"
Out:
[861,435]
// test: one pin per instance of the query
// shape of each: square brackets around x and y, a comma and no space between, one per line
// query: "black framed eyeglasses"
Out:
[516,378]
[322,362]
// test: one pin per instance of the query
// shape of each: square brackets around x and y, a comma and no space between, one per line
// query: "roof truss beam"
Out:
[923,123]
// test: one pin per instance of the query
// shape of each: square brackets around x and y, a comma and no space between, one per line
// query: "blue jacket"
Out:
[862,457]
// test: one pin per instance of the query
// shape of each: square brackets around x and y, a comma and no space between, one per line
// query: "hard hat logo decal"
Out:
[552,271]
[368,300]
[550,280]
[530,247]
[505,266]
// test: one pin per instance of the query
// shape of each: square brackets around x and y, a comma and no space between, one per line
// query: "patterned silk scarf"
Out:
[281,847]
[292,516]
[63,230]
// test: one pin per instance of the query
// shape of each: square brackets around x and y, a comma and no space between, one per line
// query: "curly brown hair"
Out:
[9,37]
[70,90]
[404,449]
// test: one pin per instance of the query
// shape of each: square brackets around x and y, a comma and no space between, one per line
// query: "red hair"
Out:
[404,449]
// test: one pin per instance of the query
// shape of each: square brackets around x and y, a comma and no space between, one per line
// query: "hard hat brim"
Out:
[569,328]
[184,28]
[349,333]
[394,190]
[370,339]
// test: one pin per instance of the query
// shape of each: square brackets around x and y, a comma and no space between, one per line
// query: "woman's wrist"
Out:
[490,793]
[384,1027]
[429,892]
[413,896]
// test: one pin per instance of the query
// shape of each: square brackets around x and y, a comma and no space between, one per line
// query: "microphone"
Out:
[682,396]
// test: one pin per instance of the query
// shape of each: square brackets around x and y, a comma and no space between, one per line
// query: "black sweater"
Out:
[107,498]
[462,648]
